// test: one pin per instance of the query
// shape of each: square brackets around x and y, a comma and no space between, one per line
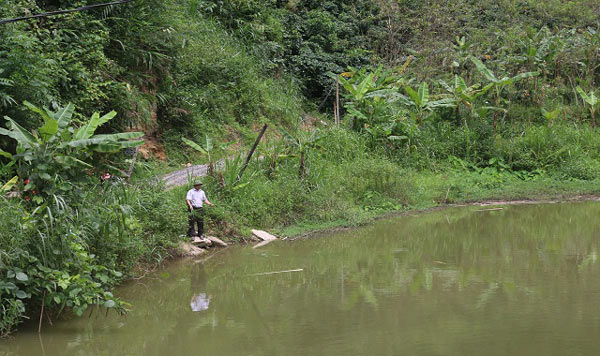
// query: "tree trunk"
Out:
[301,171]
[495,123]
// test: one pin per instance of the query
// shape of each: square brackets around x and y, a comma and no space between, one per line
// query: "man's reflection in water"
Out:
[200,300]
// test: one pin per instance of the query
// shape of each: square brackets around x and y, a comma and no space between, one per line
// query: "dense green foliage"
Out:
[441,102]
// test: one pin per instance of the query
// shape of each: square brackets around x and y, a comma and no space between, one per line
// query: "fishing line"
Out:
[60,12]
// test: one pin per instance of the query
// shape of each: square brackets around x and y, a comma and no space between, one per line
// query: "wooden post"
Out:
[335,119]
[337,101]
[262,132]
[132,166]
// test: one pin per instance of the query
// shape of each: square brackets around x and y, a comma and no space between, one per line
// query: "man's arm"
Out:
[188,200]
[206,200]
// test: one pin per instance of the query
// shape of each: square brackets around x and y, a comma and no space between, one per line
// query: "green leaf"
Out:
[106,147]
[446,86]
[112,140]
[413,95]
[129,144]
[87,130]
[109,303]
[64,115]
[21,294]
[120,136]
[72,161]
[49,129]
[20,276]
[443,103]
[194,145]
[484,70]
[525,75]
[590,99]
[582,93]
[35,109]
[6,154]
[9,185]
[209,144]
[423,94]
[19,134]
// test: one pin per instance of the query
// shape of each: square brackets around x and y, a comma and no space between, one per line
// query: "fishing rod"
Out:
[60,12]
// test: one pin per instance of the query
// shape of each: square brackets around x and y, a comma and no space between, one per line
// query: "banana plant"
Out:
[420,101]
[499,84]
[365,94]
[550,116]
[591,100]
[300,144]
[461,52]
[463,94]
[58,149]
[272,151]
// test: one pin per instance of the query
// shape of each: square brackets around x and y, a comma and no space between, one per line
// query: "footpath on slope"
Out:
[181,177]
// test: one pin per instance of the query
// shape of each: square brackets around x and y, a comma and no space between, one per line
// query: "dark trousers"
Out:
[196,217]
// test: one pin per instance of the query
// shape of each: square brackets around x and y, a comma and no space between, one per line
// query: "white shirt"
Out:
[200,302]
[196,197]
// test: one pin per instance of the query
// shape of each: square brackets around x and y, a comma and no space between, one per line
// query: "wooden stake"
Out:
[262,132]
[130,171]
[337,101]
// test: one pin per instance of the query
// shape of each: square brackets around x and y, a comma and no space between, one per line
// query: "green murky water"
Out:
[524,280]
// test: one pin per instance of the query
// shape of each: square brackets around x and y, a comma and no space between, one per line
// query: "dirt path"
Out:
[181,177]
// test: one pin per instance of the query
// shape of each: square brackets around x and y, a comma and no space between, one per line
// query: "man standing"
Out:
[195,200]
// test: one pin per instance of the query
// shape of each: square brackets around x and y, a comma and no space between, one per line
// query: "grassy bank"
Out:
[346,183]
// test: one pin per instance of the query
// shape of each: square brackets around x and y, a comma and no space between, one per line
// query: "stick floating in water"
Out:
[288,271]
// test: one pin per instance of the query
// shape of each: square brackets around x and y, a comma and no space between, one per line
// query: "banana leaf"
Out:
[19,134]
[484,70]
[194,145]
[72,161]
[87,130]
[6,154]
[64,115]
[9,185]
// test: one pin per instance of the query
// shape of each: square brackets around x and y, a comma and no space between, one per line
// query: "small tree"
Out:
[499,85]
[420,102]
[50,158]
[592,101]
[300,144]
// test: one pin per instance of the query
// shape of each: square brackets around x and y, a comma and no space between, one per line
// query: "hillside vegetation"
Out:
[440,102]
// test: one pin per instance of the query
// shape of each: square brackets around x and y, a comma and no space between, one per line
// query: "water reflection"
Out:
[200,300]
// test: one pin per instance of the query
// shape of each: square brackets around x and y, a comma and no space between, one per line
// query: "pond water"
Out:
[524,280]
